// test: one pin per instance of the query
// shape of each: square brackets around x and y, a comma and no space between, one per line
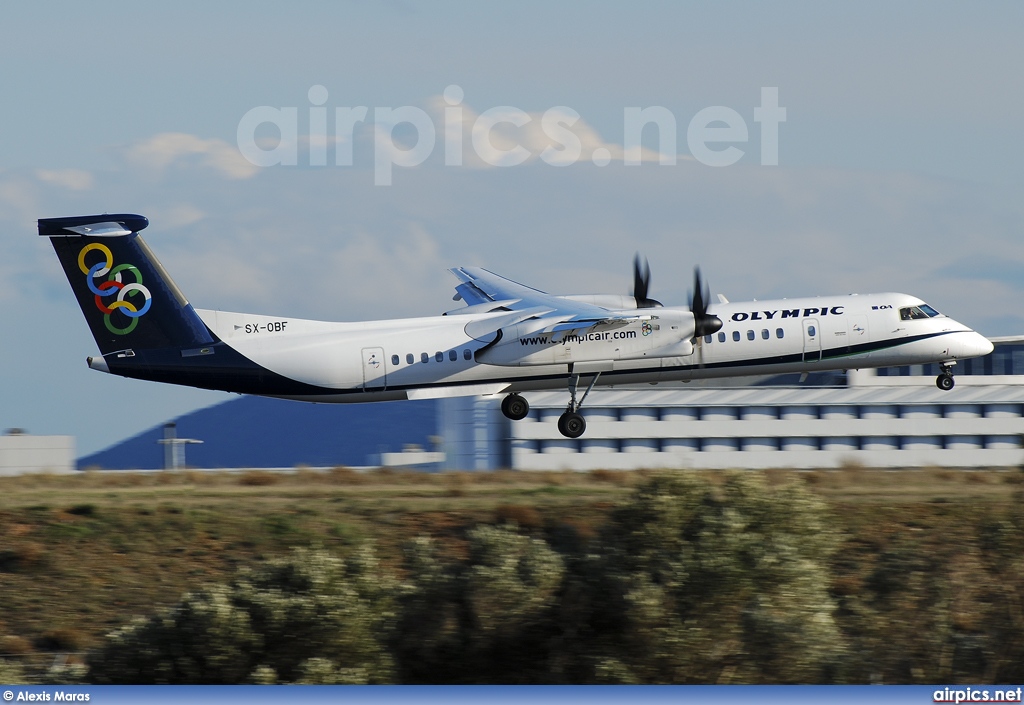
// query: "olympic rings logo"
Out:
[113,285]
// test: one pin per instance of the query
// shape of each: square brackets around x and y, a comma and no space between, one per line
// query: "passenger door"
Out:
[374,369]
[812,340]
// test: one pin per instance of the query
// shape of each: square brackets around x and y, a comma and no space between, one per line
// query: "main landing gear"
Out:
[945,379]
[571,424]
[515,407]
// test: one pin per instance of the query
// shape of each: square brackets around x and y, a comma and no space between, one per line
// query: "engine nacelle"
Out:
[531,342]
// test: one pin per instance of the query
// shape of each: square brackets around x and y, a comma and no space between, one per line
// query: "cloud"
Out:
[1005,270]
[168,148]
[19,199]
[381,276]
[73,179]
[504,136]
[329,273]
[176,216]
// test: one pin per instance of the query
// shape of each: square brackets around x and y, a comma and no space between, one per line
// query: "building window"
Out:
[452,355]
[424,357]
[409,359]
[467,355]
[439,356]
[765,334]
[779,332]
[394,360]
[721,337]
[1017,360]
[999,360]
[750,335]
[736,335]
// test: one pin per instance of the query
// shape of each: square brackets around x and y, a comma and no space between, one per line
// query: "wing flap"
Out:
[465,390]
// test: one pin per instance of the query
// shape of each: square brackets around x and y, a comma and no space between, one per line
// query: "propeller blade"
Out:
[642,283]
[704,322]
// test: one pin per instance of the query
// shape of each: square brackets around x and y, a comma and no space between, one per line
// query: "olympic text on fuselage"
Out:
[788,313]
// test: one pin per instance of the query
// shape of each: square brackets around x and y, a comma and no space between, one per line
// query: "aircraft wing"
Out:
[481,288]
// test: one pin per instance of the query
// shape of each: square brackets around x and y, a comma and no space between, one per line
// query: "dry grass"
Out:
[258,478]
[622,478]
[521,515]
[14,646]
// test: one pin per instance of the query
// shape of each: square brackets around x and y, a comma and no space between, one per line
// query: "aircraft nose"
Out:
[973,345]
[985,345]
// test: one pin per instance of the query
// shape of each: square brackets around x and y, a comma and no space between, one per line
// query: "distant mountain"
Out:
[255,432]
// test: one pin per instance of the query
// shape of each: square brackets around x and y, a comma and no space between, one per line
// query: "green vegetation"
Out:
[848,576]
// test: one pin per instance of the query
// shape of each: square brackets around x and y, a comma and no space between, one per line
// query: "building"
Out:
[886,418]
[22,453]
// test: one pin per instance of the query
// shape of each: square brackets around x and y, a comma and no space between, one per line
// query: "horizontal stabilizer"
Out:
[100,230]
[103,225]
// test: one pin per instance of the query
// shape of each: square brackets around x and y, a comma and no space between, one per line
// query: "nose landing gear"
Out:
[945,379]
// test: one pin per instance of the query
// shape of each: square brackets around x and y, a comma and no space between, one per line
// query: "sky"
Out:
[899,163]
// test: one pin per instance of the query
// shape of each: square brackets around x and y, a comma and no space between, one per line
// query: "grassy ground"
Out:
[80,555]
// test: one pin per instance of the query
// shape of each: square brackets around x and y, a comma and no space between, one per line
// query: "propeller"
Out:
[642,282]
[704,322]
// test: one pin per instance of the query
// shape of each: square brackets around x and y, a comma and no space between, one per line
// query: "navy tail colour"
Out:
[129,301]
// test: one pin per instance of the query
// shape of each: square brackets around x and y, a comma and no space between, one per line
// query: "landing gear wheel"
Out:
[515,407]
[944,382]
[571,424]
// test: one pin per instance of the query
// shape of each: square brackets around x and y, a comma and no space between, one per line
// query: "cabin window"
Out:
[424,357]
[394,360]
[736,336]
[452,355]
[779,332]
[765,335]
[721,337]
[409,359]
[467,355]
[750,335]
[708,338]
[439,356]
[812,331]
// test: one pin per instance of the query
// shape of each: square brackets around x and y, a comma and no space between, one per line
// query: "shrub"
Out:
[22,556]
[698,583]
[61,640]
[12,674]
[487,619]
[264,627]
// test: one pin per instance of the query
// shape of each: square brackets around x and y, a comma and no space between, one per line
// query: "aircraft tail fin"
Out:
[129,301]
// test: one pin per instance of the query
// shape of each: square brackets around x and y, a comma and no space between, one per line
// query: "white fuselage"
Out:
[452,355]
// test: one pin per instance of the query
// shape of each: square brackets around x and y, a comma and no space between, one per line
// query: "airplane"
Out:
[506,338]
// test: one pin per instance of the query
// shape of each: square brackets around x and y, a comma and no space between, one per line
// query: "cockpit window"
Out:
[911,313]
